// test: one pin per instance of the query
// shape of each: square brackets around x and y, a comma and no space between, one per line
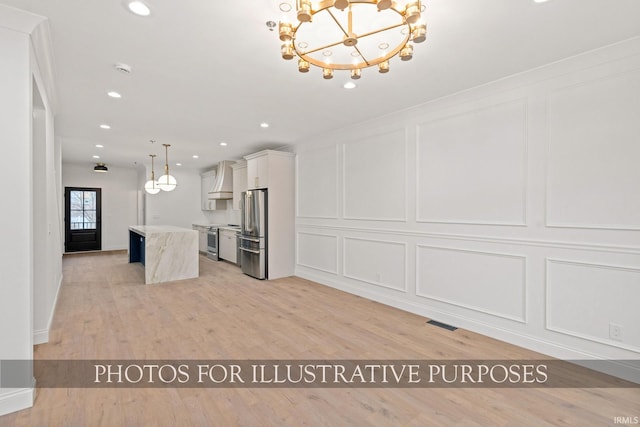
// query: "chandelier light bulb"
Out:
[285,30]
[304,11]
[341,4]
[303,66]
[419,33]
[412,12]
[384,4]
[167,183]
[287,51]
[151,187]
[407,52]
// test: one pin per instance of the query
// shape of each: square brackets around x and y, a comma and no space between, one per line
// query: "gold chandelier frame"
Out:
[409,13]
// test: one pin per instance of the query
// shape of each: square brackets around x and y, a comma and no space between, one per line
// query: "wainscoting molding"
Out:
[464,151]
[606,196]
[591,296]
[381,255]
[558,244]
[502,288]
[376,168]
[314,260]
[317,189]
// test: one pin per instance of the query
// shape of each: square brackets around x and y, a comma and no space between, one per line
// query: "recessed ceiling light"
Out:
[195,156]
[114,94]
[349,85]
[383,46]
[224,144]
[264,125]
[327,52]
[96,157]
[178,164]
[285,7]
[303,45]
[139,8]
[99,146]
[105,126]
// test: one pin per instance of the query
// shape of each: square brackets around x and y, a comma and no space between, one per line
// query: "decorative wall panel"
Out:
[593,173]
[380,263]
[318,183]
[492,283]
[472,167]
[318,251]
[375,177]
[586,300]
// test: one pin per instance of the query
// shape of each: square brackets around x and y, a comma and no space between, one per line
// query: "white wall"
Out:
[182,207]
[511,209]
[30,250]
[119,199]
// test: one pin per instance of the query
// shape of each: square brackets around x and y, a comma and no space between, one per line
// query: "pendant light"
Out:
[167,182]
[151,186]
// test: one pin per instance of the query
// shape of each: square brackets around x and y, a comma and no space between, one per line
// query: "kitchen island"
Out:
[166,252]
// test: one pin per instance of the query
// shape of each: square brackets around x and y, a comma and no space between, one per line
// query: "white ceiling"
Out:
[211,71]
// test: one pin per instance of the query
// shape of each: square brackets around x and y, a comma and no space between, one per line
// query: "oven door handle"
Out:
[250,250]
[249,239]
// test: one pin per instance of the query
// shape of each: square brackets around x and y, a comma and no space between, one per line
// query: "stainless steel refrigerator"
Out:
[253,234]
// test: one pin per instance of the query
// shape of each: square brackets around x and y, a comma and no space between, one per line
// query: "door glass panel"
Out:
[77,200]
[89,200]
[89,220]
[77,220]
[83,210]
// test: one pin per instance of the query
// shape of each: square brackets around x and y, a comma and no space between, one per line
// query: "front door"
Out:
[82,213]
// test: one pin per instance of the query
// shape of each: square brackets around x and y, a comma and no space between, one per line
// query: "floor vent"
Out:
[442,325]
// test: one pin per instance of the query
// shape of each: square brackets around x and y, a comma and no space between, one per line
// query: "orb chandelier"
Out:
[350,34]
[166,182]
[151,186]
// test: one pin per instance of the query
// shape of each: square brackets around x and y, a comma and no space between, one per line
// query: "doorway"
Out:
[82,219]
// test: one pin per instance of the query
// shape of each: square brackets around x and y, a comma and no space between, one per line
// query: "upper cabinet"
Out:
[265,166]
[258,170]
[207,179]
[239,182]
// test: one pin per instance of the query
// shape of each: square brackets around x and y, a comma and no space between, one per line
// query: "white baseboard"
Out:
[16,400]
[627,371]
[41,336]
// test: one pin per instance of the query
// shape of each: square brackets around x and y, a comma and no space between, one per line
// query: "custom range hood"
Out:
[222,188]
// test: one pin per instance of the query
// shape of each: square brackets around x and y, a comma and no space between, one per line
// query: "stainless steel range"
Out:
[212,242]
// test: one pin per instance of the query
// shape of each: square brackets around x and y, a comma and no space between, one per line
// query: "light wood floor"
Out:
[105,312]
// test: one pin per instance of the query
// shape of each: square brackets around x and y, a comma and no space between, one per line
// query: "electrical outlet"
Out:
[615,332]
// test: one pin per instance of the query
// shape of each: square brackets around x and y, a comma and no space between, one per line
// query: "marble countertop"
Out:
[224,226]
[145,230]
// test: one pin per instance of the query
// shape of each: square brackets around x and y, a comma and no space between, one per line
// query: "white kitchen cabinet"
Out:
[202,238]
[239,182]
[258,170]
[206,182]
[228,245]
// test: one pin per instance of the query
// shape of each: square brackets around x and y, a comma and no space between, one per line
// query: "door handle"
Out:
[250,250]
[250,240]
